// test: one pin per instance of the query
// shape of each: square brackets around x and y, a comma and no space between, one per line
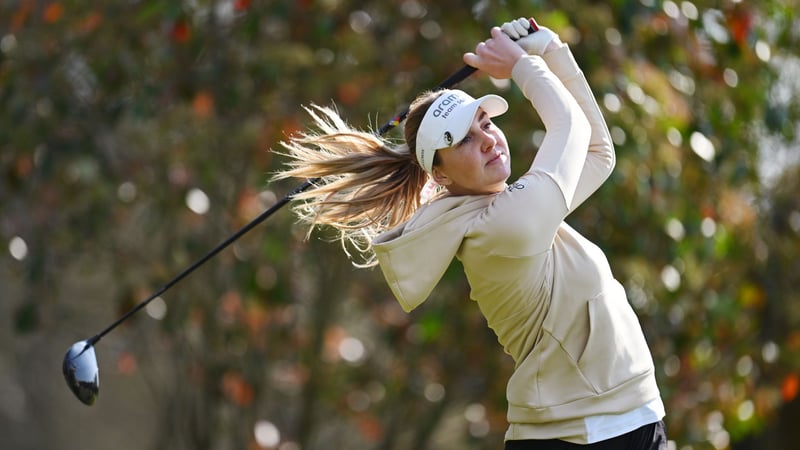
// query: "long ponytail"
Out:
[367,184]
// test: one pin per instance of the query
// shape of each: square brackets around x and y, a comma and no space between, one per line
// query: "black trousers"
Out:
[648,437]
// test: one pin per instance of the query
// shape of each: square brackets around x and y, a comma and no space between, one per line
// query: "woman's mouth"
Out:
[496,158]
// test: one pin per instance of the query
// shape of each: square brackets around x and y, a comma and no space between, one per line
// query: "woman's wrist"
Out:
[555,44]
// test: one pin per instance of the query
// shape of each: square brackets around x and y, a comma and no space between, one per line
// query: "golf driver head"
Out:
[81,372]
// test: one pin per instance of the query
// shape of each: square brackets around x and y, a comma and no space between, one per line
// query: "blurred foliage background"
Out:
[136,135]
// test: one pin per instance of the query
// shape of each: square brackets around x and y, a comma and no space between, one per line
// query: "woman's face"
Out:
[479,164]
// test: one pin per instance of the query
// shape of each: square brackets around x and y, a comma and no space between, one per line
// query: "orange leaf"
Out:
[230,306]
[370,428]
[21,15]
[237,389]
[197,317]
[181,31]
[793,341]
[256,319]
[291,126]
[90,22]
[126,363]
[349,92]
[248,205]
[790,387]
[333,337]
[24,165]
[203,105]
[740,23]
[53,12]
[708,210]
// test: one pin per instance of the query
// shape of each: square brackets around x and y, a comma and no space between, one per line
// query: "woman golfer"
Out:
[584,375]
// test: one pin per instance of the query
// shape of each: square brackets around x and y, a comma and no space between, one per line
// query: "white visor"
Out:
[448,120]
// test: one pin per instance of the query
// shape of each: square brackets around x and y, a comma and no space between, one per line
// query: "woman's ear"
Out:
[440,177]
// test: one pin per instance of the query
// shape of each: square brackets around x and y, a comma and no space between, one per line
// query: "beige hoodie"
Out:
[546,291]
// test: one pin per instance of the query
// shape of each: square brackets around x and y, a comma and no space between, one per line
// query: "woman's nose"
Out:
[487,141]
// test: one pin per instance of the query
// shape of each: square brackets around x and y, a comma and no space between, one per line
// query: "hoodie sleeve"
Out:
[563,151]
[413,257]
[600,159]
[525,218]
[411,270]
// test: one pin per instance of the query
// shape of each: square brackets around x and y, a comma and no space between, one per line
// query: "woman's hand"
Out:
[534,41]
[496,56]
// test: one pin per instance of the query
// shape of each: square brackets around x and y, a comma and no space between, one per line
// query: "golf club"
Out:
[80,362]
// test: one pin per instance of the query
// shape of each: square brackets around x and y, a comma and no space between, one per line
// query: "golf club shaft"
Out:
[80,367]
[449,82]
[261,217]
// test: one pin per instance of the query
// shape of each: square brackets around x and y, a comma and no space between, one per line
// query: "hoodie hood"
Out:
[414,256]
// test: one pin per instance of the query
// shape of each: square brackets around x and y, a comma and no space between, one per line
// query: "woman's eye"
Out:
[468,138]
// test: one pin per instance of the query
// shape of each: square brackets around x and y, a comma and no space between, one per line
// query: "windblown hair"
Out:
[366,184]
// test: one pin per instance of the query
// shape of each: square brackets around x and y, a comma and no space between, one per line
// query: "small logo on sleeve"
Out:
[516,185]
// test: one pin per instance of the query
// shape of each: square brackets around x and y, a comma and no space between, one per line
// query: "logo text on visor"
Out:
[447,105]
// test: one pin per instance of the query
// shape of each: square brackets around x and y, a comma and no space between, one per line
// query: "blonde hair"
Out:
[365,184]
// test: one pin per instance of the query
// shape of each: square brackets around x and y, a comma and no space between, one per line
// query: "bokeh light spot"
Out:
[671,278]
[198,201]
[770,352]
[763,52]
[351,349]
[126,192]
[267,434]
[358,400]
[681,82]
[618,135]
[674,136]
[714,25]
[8,43]
[360,21]
[744,366]
[689,10]
[157,308]
[613,36]
[430,30]
[325,56]
[794,221]
[671,9]
[702,146]
[731,77]
[475,412]
[636,93]
[612,103]
[745,410]
[708,227]
[674,229]
[672,366]
[434,392]
[413,9]
[18,248]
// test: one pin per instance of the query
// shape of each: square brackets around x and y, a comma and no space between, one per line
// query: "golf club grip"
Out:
[457,77]
[464,72]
